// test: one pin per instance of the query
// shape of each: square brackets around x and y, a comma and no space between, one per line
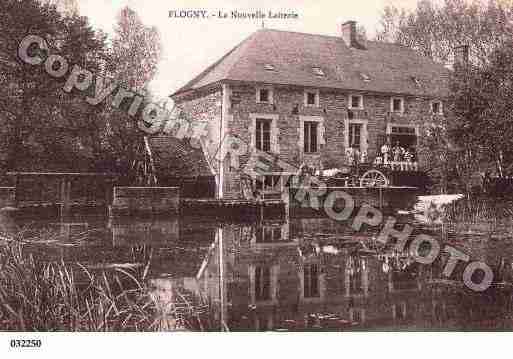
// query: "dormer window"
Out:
[318,71]
[264,95]
[355,102]
[436,107]
[365,77]
[416,81]
[269,67]
[312,98]
[397,105]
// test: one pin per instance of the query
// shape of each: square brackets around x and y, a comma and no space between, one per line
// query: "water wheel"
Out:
[373,178]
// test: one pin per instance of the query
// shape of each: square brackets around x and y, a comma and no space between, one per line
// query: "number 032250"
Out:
[25,343]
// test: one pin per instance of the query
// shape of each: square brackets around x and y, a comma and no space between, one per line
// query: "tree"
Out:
[475,133]
[42,126]
[136,50]
[46,128]
[436,30]
[482,113]
[135,54]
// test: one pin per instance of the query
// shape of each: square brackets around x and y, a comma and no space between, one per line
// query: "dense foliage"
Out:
[45,128]
[473,139]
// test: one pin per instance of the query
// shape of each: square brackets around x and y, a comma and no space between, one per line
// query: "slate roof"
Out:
[177,158]
[390,67]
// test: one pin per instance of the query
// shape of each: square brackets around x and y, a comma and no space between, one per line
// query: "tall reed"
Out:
[36,295]
[478,210]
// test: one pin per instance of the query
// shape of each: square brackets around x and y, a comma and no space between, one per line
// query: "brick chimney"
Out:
[349,33]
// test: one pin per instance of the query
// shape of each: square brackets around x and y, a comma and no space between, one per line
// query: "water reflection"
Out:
[323,277]
[302,274]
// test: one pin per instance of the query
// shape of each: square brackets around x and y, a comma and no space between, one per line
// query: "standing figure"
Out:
[408,157]
[363,157]
[385,151]
[350,156]
[357,157]
[414,158]
[398,153]
[357,154]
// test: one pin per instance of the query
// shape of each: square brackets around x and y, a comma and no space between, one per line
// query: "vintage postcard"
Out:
[273,166]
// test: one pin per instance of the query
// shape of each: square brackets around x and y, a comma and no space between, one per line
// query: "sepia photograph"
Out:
[274,166]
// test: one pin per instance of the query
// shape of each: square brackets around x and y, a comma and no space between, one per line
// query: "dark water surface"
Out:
[302,274]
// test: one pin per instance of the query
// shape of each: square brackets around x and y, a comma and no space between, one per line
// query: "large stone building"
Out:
[307,98]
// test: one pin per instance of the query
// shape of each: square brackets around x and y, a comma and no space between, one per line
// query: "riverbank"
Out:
[37,294]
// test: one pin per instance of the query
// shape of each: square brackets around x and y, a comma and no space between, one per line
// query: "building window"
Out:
[264,95]
[436,107]
[405,136]
[311,281]
[262,283]
[312,98]
[268,234]
[318,71]
[365,77]
[310,136]
[400,311]
[263,135]
[356,315]
[416,81]
[355,135]
[268,183]
[397,105]
[356,101]
[355,281]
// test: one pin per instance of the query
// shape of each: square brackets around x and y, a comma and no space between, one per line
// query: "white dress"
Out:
[385,151]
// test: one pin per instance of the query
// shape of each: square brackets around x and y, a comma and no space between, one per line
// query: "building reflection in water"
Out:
[290,276]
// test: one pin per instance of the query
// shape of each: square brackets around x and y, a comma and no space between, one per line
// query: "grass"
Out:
[38,295]
[478,210]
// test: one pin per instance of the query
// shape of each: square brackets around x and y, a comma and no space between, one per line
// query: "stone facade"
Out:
[206,106]
[234,107]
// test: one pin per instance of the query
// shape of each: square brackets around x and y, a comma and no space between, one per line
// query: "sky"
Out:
[190,45]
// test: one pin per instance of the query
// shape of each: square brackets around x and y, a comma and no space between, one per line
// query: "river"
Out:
[295,275]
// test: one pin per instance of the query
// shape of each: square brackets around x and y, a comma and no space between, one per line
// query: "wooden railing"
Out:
[402,165]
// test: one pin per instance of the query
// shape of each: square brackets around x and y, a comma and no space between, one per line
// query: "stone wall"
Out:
[129,201]
[206,106]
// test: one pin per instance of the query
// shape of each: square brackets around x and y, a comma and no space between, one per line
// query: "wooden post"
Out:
[109,192]
[285,197]
[390,282]
[65,196]
[17,187]
[222,294]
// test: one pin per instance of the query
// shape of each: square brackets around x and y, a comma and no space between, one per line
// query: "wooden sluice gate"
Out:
[50,194]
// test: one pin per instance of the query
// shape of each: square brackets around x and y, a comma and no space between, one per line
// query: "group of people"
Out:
[397,156]
[355,156]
